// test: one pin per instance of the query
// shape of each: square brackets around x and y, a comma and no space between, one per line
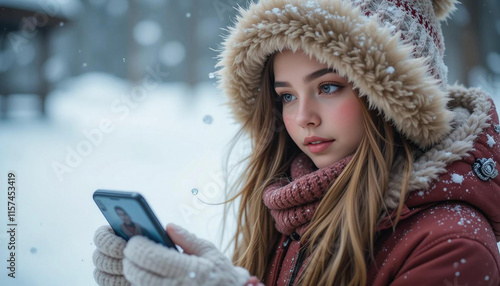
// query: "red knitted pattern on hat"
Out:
[414,10]
[292,204]
[408,8]
[422,20]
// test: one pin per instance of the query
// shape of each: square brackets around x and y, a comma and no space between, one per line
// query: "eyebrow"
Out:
[307,78]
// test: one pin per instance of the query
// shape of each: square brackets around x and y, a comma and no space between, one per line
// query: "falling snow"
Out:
[153,37]
[147,32]
[207,119]
[85,100]
[172,53]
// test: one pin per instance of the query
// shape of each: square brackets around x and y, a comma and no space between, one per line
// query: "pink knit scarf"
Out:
[292,204]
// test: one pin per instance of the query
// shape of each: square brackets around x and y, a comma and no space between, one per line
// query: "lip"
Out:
[310,139]
[316,148]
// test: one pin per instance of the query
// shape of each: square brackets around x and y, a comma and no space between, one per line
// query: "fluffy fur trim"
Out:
[471,107]
[378,63]
[443,8]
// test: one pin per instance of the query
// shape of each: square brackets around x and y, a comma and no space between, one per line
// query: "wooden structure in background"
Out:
[19,25]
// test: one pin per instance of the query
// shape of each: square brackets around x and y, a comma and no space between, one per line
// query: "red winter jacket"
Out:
[450,224]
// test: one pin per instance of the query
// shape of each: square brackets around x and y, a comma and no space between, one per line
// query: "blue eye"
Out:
[329,88]
[287,97]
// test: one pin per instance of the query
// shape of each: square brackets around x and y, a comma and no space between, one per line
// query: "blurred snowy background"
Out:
[118,94]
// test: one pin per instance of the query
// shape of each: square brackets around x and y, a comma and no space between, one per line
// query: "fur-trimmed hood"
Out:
[462,167]
[404,79]
[457,126]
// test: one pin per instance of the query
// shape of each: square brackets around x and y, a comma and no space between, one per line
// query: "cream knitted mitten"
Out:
[149,263]
[108,257]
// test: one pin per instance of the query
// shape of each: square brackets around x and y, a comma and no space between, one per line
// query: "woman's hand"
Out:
[108,257]
[149,263]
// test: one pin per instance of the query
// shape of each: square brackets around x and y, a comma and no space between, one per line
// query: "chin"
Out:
[322,163]
[325,162]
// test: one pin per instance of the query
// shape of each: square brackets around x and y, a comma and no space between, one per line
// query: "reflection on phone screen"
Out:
[128,219]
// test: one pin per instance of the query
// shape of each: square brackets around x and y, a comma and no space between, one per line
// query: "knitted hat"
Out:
[391,50]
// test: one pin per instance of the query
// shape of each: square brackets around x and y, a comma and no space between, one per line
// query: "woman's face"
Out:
[321,111]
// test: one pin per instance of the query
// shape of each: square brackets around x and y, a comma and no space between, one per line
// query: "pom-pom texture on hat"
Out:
[443,8]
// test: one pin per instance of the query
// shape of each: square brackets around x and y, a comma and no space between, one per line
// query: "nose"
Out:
[308,113]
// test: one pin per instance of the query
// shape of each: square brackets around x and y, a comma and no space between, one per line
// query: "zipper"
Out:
[279,259]
[298,265]
[300,259]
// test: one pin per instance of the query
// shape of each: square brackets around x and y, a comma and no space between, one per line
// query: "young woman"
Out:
[366,168]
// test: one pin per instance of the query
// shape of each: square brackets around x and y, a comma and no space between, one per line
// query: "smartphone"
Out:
[129,214]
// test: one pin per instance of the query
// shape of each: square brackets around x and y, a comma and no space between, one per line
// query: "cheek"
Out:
[350,109]
[288,121]
[349,115]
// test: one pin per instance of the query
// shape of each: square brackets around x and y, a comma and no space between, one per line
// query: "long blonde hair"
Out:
[341,235]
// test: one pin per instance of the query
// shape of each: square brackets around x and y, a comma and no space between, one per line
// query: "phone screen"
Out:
[129,215]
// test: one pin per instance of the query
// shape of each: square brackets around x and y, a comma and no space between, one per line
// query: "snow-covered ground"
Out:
[164,146]
[161,140]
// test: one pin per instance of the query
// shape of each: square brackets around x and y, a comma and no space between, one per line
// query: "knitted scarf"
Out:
[292,204]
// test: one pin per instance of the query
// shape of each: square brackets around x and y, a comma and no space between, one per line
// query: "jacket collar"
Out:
[447,170]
